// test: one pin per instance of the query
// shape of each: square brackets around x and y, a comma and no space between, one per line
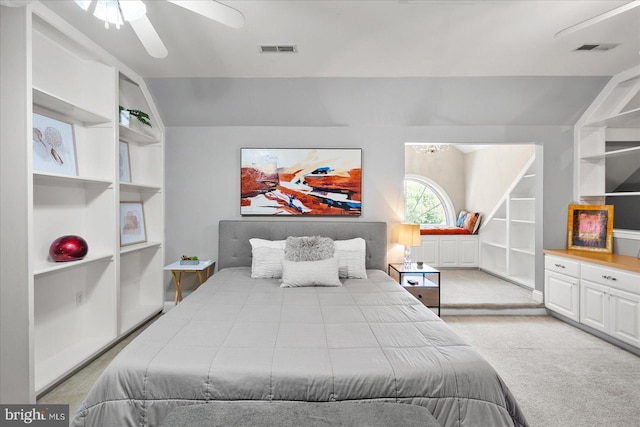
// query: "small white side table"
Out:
[177,269]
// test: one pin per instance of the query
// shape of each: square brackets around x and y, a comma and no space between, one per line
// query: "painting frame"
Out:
[133,226]
[124,162]
[590,228]
[301,181]
[53,145]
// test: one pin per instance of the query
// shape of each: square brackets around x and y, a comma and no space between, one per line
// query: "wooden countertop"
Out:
[623,262]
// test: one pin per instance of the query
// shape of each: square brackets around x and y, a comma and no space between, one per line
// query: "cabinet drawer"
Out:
[562,265]
[429,296]
[618,279]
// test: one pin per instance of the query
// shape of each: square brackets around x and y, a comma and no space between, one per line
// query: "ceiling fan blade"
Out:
[213,10]
[149,37]
[599,18]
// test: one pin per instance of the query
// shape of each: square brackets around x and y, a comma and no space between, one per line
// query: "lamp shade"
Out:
[409,234]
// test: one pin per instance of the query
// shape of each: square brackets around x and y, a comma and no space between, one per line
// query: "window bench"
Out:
[452,247]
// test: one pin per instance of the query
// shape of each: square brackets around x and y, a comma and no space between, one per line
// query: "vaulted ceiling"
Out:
[377,38]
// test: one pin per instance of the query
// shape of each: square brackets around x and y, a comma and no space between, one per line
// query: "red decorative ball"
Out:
[68,248]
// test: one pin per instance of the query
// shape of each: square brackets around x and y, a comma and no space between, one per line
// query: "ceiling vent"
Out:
[284,48]
[601,47]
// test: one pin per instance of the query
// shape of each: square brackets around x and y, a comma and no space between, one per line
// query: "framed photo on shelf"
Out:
[590,228]
[54,148]
[132,223]
[301,181]
[125,165]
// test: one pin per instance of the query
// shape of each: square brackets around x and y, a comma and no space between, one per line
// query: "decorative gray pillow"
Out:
[308,248]
[310,273]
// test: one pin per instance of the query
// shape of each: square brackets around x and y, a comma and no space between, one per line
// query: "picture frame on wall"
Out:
[301,181]
[132,223]
[125,165]
[54,149]
[590,228]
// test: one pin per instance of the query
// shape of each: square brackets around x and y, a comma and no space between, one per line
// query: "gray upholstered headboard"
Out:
[234,249]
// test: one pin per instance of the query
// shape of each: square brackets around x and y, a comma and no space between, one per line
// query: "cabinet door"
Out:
[429,248]
[468,252]
[625,317]
[594,305]
[562,294]
[448,251]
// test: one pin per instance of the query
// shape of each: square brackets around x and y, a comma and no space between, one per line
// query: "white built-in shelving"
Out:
[507,236]
[75,310]
[607,151]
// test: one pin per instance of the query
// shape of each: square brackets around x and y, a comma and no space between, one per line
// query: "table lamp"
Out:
[408,235]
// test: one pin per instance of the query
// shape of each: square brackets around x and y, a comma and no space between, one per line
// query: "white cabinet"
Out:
[429,250]
[507,235]
[561,294]
[601,297]
[72,310]
[449,251]
[468,252]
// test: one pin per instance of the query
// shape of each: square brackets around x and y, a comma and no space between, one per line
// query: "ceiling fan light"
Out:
[132,9]
[84,4]
[109,12]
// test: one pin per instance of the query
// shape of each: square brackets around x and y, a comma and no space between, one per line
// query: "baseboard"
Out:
[493,312]
[537,296]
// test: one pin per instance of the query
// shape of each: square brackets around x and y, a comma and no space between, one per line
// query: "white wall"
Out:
[490,172]
[203,175]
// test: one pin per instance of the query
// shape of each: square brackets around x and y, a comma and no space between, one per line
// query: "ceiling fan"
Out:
[134,12]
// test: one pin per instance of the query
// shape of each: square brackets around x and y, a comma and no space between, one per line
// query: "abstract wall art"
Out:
[301,181]
[590,228]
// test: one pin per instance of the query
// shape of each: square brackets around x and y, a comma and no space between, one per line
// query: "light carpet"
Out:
[560,375]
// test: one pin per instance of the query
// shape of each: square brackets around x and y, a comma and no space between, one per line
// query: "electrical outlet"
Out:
[79,297]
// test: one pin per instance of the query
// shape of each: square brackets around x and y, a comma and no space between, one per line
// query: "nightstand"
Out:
[427,282]
[177,269]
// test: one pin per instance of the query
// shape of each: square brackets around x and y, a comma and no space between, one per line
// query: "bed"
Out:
[237,338]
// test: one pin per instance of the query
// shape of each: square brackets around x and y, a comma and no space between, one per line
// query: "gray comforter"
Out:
[238,338]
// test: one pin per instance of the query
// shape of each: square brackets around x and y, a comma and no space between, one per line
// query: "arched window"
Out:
[426,203]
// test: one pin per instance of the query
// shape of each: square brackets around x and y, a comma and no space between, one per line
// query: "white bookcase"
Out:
[72,311]
[607,150]
[507,235]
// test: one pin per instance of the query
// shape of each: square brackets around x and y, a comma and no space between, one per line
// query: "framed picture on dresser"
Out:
[590,228]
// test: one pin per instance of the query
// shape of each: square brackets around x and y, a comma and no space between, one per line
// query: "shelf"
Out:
[524,251]
[52,266]
[41,178]
[523,199]
[56,104]
[495,245]
[500,219]
[139,188]
[523,221]
[613,153]
[629,118]
[620,194]
[133,135]
[138,247]
[52,369]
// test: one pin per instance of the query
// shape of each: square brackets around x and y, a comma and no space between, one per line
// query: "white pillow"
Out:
[351,256]
[267,256]
[310,273]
